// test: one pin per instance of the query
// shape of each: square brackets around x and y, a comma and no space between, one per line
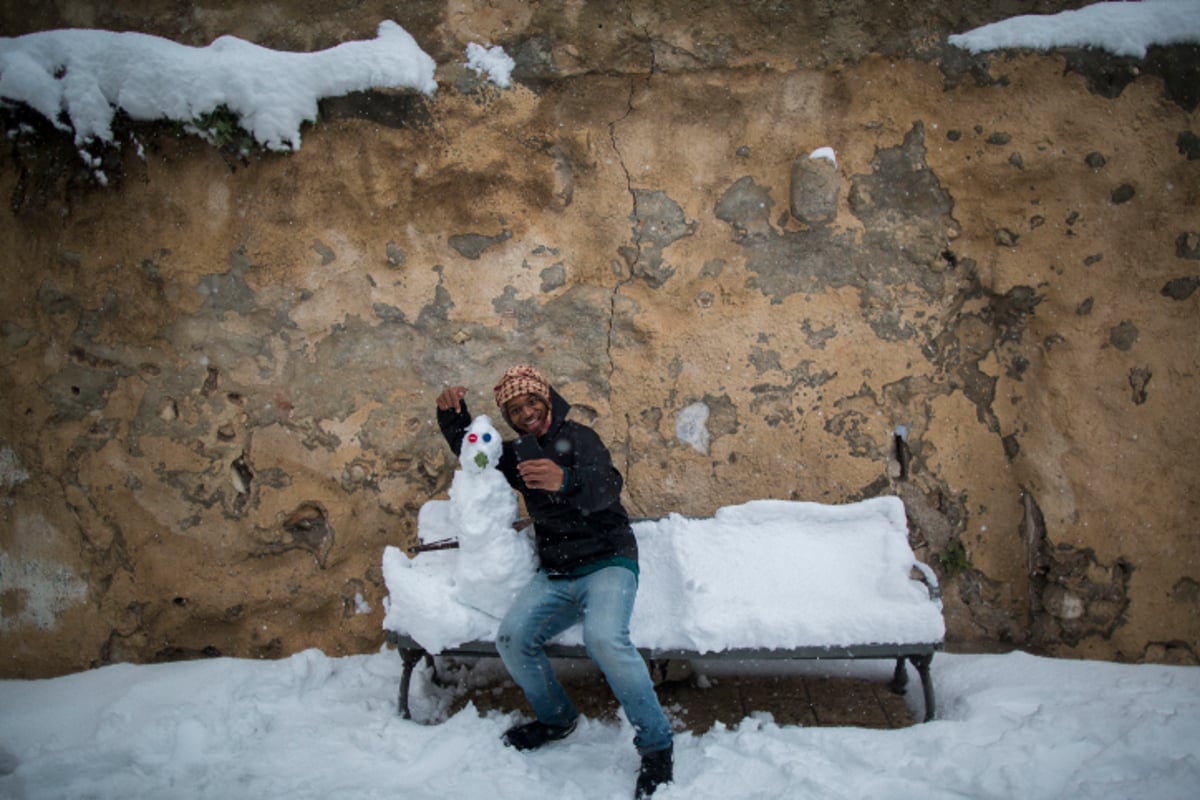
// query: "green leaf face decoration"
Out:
[481,459]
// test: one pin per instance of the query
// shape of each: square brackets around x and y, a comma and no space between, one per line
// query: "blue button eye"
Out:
[487,437]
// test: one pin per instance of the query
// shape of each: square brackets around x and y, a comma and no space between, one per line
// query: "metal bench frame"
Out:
[920,655]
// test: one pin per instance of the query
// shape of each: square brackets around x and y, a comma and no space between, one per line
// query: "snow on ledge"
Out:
[1123,29]
[88,74]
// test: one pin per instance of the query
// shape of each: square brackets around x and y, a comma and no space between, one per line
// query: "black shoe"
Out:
[657,769]
[533,735]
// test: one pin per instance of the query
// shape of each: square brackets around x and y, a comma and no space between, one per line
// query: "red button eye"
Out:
[472,438]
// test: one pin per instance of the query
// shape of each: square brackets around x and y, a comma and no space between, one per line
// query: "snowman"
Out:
[494,561]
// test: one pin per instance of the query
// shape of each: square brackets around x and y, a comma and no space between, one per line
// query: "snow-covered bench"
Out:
[769,579]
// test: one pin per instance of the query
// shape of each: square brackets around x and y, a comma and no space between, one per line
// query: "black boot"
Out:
[657,769]
[533,735]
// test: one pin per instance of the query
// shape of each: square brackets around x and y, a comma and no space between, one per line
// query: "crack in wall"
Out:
[616,148]
[624,279]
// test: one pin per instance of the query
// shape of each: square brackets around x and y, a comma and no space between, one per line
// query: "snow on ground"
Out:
[311,726]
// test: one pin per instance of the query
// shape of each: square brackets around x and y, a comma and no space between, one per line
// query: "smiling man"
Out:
[588,567]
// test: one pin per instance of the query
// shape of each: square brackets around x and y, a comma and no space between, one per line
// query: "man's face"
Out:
[528,413]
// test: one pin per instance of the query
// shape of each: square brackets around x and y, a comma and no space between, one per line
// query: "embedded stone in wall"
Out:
[1139,379]
[395,255]
[815,189]
[1187,245]
[1081,596]
[1180,288]
[1123,336]
[1188,144]
[306,528]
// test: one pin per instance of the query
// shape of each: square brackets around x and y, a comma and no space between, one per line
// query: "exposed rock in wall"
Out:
[220,370]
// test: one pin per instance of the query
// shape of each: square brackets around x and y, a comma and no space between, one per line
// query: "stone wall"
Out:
[219,370]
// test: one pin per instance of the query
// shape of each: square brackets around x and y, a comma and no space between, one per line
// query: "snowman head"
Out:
[480,446]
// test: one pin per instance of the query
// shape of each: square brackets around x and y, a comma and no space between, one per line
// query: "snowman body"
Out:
[494,561]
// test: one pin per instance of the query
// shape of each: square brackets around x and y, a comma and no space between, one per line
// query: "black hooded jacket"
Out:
[577,527]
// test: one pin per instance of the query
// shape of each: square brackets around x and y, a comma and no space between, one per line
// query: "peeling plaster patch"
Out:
[801,262]
[14,336]
[11,472]
[816,338]
[908,221]
[76,390]
[229,291]
[1186,591]
[1074,595]
[764,360]
[747,207]
[902,202]
[1107,74]
[472,245]
[509,304]
[1008,312]
[778,403]
[388,313]
[658,223]
[856,429]
[35,592]
[553,277]
[324,251]
[691,426]
[54,301]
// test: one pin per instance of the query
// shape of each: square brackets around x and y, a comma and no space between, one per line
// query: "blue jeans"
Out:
[603,601]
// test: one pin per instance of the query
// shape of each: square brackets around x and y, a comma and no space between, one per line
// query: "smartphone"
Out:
[527,448]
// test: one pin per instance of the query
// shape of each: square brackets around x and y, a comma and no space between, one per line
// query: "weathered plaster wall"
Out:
[219,372]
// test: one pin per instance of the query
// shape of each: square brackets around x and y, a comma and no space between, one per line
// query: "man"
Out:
[588,572]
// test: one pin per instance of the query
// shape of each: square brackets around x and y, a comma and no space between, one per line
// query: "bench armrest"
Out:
[929,578]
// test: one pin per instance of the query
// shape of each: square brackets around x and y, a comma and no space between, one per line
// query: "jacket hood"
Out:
[559,408]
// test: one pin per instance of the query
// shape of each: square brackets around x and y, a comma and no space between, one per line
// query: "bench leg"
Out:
[899,683]
[922,663]
[410,657]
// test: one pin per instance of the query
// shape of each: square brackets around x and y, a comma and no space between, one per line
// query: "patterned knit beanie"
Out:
[519,380]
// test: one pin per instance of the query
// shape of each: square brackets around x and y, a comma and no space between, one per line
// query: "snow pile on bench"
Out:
[769,574]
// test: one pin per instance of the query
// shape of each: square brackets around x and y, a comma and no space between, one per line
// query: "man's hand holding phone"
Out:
[536,470]
[541,473]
